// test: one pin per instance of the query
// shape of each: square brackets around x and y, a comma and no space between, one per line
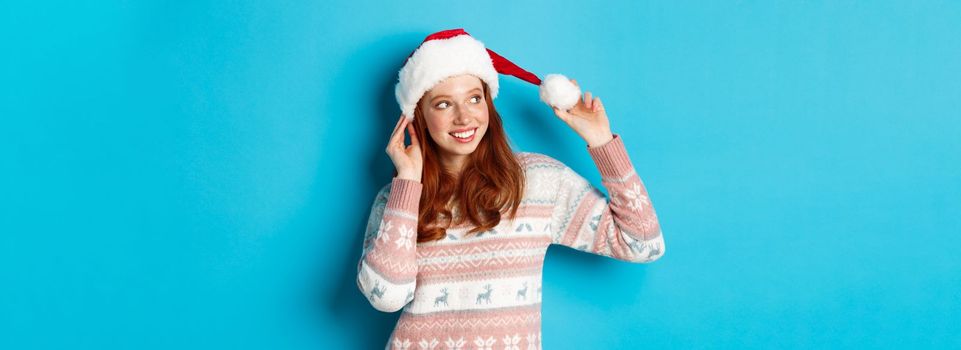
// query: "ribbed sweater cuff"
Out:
[611,158]
[404,195]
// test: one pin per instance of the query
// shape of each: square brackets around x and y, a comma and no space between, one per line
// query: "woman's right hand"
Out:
[407,159]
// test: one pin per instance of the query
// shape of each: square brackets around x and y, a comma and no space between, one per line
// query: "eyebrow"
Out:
[439,96]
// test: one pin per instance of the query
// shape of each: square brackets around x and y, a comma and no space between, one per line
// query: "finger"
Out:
[397,136]
[398,125]
[596,104]
[398,133]
[587,100]
[560,113]
[413,135]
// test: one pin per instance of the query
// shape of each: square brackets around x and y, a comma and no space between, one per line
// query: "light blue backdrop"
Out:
[198,174]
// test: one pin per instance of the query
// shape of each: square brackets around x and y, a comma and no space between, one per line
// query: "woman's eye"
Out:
[477,98]
[441,105]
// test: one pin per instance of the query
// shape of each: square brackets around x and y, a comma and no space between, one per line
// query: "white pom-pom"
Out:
[558,91]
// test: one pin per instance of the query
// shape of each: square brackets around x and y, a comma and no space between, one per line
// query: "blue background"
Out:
[199,174]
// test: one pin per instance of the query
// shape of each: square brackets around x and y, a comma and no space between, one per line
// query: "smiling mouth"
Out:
[465,135]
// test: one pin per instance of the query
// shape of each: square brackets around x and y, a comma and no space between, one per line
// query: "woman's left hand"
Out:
[588,119]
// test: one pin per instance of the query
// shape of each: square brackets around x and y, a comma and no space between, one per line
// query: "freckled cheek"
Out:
[484,113]
[479,112]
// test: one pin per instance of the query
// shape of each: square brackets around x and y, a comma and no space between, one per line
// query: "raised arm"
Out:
[387,270]
[624,227]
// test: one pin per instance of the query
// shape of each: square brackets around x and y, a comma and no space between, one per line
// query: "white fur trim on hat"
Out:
[436,60]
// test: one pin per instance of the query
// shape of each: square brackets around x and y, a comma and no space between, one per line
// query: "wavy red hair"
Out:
[489,188]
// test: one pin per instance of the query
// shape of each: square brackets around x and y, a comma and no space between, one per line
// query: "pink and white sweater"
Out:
[484,291]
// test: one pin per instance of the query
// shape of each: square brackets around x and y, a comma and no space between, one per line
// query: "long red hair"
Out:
[490,185]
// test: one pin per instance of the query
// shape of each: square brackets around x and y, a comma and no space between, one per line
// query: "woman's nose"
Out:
[462,116]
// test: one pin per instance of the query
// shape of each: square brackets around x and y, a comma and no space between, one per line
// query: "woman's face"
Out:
[456,116]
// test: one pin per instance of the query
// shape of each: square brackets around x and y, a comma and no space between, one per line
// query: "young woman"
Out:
[458,237]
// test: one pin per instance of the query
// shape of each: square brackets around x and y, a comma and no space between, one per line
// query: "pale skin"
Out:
[453,105]
[456,104]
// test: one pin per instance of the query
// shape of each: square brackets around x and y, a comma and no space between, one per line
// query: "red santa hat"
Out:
[453,52]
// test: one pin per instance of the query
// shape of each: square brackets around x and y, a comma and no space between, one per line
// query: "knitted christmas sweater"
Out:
[483,291]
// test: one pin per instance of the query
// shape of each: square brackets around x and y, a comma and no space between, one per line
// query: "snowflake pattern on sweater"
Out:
[484,291]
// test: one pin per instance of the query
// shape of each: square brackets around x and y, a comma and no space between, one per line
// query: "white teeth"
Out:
[464,135]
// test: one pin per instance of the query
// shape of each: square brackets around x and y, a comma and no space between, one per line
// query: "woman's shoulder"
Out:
[542,173]
[534,160]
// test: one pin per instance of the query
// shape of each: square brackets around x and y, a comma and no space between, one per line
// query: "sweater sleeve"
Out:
[624,227]
[387,270]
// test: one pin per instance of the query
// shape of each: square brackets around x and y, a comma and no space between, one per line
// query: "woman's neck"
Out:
[454,164]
